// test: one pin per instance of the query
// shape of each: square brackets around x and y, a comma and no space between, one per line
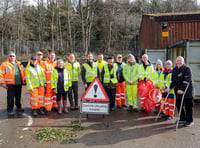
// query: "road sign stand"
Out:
[94,100]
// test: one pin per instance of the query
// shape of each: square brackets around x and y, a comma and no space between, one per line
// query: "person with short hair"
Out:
[169,106]
[110,76]
[157,81]
[100,62]
[120,90]
[12,76]
[74,69]
[131,73]
[50,96]
[60,85]
[181,77]
[36,83]
[89,71]
[147,72]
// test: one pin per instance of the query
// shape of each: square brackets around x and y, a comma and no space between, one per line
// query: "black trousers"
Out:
[111,95]
[73,89]
[13,91]
[187,109]
[58,96]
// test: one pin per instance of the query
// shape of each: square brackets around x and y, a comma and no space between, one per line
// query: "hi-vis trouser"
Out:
[170,103]
[37,98]
[50,98]
[120,94]
[132,95]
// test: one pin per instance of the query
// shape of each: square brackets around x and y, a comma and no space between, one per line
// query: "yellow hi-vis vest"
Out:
[148,73]
[101,65]
[90,73]
[157,79]
[35,78]
[167,81]
[74,70]
[107,78]
[54,80]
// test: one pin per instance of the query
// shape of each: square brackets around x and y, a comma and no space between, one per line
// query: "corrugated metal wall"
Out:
[151,32]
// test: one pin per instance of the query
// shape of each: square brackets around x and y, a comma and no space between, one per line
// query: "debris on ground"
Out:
[65,135]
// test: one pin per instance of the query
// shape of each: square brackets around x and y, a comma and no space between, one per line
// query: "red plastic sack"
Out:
[155,94]
[144,87]
[149,105]
[149,83]
[153,97]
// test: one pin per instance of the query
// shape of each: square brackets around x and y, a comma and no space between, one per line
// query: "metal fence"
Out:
[30,47]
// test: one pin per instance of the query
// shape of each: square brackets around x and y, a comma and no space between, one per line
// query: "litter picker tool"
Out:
[188,83]
[161,107]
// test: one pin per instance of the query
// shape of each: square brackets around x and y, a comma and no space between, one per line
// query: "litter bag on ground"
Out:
[144,87]
[154,96]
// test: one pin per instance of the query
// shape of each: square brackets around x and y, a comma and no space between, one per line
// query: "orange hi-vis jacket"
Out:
[41,63]
[49,67]
[7,73]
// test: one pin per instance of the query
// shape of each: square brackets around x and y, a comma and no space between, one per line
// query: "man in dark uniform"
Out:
[181,77]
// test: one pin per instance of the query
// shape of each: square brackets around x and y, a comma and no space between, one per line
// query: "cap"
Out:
[168,62]
[110,57]
[33,58]
[158,61]
[39,52]
[119,56]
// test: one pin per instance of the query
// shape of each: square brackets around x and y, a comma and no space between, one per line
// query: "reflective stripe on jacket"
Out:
[34,78]
[131,73]
[101,65]
[166,80]
[107,74]
[54,80]
[157,79]
[49,67]
[90,72]
[74,71]
[148,72]
[7,73]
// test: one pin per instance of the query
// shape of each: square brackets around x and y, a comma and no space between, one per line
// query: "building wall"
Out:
[151,32]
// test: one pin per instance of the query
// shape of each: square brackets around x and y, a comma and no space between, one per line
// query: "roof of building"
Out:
[174,16]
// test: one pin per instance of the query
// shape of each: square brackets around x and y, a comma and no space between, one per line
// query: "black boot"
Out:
[34,112]
[41,111]
[130,108]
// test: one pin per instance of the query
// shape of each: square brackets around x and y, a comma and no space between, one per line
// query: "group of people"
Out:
[50,82]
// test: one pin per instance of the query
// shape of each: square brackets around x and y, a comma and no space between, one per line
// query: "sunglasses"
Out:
[12,56]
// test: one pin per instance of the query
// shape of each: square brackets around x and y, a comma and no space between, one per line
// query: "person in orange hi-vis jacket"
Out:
[12,76]
[50,96]
[120,96]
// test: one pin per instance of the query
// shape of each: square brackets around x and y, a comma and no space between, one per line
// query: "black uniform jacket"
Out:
[180,78]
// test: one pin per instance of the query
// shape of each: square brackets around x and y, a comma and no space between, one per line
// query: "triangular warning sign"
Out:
[95,92]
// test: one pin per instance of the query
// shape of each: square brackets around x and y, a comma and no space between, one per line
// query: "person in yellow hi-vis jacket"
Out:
[166,81]
[110,76]
[36,81]
[60,85]
[147,72]
[131,73]
[157,80]
[100,62]
[74,69]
